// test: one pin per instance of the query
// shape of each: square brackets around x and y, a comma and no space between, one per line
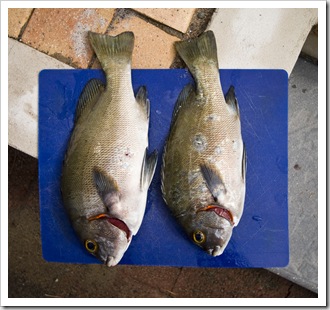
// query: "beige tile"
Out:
[24,66]
[16,21]
[178,19]
[62,33]
[269,38]
[153,47]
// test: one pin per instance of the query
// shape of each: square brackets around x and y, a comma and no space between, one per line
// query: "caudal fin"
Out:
[108,48]
[199,50]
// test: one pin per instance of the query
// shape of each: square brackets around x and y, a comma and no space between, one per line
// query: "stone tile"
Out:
[62,33]
[259,38]
[153,47]
[178,19]
[25,63]
[16,21]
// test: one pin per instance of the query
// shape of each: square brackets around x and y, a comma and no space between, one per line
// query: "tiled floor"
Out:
[56,33]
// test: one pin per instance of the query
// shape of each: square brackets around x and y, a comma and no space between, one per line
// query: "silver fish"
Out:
[204,161]
[107,172]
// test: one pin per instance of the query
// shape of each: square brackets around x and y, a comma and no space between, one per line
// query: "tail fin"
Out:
[199,50]
[107,47]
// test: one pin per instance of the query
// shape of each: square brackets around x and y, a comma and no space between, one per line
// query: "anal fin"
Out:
[141,98]
[149,164]
[231,100]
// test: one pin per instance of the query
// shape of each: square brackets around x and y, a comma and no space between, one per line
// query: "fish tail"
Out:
[199,51]
[110,50]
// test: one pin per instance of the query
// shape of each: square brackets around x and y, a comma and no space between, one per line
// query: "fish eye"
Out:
[91,246]
[199,236]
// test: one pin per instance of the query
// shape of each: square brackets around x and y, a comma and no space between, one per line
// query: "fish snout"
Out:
[216,251]
[110,262]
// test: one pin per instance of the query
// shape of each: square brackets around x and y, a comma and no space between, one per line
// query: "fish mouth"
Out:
[110,262]
[216,251]
[226,214]
[114,221]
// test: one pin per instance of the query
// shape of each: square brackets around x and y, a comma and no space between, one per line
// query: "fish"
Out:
[203,173]
[107,169]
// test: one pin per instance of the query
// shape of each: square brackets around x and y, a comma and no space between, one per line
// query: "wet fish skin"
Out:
[106,171]
[204,162]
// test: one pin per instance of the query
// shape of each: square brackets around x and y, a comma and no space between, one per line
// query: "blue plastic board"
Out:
[260,239]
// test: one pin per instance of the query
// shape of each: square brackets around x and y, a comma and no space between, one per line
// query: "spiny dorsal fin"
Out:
[183,99]
[88,97]
[231,100]
[141,98]
[149,164]
[213,181]
[107,187]
[108,48]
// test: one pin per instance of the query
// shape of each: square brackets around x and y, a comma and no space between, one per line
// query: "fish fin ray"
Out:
[213,181]
[109,48]
[203,47]
[107,187]
[231,100]
[244,164]
[149,164]
[182,100]
[142,99]
[88,97]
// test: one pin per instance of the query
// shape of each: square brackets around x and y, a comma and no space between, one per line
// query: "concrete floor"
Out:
[31,276]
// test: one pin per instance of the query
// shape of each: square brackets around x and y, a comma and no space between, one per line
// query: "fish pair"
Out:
[107,169]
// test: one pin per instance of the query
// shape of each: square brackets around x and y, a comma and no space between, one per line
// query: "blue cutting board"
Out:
[260,239]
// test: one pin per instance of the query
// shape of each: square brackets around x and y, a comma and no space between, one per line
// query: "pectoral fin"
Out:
[106,187]
[213,181]
[148,169]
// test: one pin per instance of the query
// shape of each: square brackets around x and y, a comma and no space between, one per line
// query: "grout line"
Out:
[176,281]
[169,30]
[19,38]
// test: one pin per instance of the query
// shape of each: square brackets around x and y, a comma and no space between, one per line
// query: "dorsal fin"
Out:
[182,100]
[88,97]
[141,98]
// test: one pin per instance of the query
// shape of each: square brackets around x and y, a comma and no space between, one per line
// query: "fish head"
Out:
[210,229]
[104,239]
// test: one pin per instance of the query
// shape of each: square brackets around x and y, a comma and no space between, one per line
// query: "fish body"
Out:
[106,171]
[204,163]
